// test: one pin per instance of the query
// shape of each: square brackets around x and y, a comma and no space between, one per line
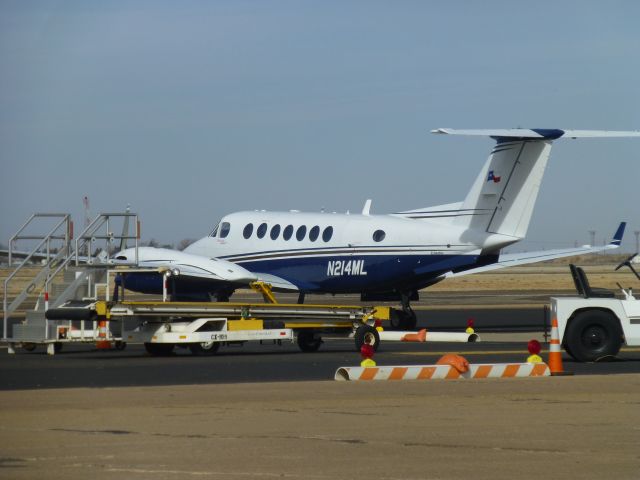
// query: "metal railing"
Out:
[98,229]
[45,242]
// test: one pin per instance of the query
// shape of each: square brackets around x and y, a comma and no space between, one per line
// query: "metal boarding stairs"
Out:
[74,271]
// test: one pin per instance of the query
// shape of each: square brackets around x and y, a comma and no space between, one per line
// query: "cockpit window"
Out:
[214,232]
[262,229]
[224,229]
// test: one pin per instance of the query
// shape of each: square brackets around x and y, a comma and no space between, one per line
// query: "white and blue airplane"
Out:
[381,257]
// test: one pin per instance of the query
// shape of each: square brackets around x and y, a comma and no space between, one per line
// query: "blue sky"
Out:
[190,110]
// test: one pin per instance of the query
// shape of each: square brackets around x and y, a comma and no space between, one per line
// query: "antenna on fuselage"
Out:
[367,207]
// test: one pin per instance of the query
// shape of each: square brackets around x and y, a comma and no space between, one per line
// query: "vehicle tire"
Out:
[159,349]
[57,347]
[593,334]
[204,349]
[366,334]
[120,345]
[308,341]
[29,347]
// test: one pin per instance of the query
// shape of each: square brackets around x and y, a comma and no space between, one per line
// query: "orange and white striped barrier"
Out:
[426,336]
[443,372]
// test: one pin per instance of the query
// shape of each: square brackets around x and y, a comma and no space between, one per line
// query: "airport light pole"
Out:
[592,233]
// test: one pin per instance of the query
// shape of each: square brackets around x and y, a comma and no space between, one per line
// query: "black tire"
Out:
[120,345]
[308,341]
[593,334]
[29,347]
[57,347]
[366,334]
[402,320]
[204,349]
[410,320]
[159,349]
[395,319]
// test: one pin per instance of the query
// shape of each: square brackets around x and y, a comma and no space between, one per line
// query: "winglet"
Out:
[617,237]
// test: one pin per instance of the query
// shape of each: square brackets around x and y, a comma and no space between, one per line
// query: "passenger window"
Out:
[224,229]
[313,233]
[262,229]
[248,230]
[275,231]
[302,231]
[287,232]
[327,234]
[379,235]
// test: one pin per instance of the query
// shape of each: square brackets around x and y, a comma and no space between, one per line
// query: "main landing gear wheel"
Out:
[159,349]
[403,320]
[366,335]
[308,341]
[29,347]
[593,334]
[204,348]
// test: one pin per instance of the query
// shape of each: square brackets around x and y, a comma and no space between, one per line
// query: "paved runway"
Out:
[83,366]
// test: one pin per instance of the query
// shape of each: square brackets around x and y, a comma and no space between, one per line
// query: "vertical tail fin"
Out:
[502,198]
[504,193]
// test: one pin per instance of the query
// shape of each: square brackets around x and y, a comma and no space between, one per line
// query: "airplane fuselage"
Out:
[344,253]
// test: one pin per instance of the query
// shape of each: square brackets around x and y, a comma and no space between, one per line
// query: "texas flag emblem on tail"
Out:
[493,177]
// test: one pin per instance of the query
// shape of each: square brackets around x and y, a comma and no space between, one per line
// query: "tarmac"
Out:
[544,428]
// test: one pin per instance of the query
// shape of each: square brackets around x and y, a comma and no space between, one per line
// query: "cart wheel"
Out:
[204,348]
[120,345]
[159,349]
[308,341]
[367,335]
[29,347]
[593,334]
[57,347]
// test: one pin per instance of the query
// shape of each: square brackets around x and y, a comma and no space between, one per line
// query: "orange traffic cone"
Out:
[103,343]
[555,352]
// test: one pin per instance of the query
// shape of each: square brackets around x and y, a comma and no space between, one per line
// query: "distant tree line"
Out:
[182,244]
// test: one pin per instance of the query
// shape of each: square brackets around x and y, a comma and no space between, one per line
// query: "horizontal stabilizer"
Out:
[538,133]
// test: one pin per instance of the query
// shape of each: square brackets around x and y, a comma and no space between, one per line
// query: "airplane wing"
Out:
[277,283]
[513,259]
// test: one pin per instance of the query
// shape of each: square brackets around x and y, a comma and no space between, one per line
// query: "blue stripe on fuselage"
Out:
[358,273]
[329,274]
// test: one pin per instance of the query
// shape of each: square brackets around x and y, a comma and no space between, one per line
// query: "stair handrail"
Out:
[89,233]
[67,253]
[44,240]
